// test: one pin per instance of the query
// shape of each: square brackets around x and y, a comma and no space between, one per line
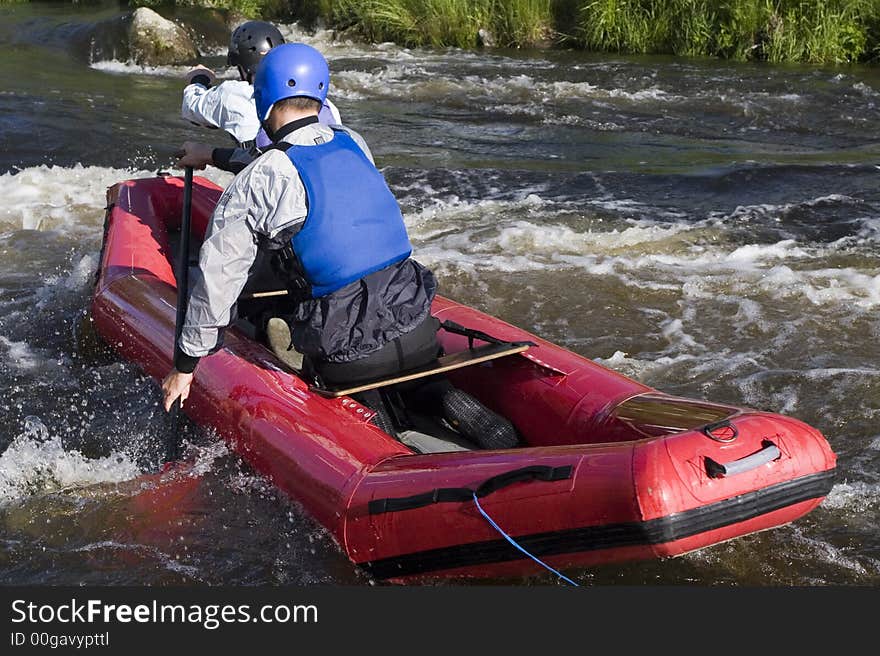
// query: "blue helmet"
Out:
[288,71]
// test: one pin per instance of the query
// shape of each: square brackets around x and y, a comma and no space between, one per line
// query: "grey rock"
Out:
[157,41]
[485,39]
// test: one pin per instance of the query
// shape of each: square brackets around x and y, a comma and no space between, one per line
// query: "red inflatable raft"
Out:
[609,470]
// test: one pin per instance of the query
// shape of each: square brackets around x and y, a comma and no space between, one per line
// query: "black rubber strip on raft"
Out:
[610,536]
[459,494]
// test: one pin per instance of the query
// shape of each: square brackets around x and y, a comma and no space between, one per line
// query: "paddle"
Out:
[172,445]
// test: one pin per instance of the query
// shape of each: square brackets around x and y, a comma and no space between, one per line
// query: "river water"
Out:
[708,228]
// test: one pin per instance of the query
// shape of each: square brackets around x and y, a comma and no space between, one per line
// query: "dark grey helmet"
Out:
[249,42]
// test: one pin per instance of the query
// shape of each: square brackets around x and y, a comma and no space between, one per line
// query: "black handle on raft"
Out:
[724,423]
[472,334]
[768,453]
[459,494]
[533,472]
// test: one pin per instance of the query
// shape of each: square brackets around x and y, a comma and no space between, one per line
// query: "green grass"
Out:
[810,31]
[267,9]
[512,23]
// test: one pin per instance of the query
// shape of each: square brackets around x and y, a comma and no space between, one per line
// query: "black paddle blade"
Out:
[173,443]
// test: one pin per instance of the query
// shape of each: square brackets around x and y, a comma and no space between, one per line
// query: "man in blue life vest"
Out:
[359,306]
[229,106]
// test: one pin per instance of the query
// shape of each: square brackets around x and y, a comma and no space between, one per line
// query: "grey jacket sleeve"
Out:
[261,200]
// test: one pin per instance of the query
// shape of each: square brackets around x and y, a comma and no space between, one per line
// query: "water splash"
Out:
[856,498]
[36,463]
[69,198]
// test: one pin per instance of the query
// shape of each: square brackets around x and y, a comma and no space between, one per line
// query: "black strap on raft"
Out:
[460,494]
[471,334]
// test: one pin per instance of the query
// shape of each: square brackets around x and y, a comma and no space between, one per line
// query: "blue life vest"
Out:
[354,225]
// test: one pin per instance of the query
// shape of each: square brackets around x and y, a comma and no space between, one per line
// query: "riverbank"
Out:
[804,31]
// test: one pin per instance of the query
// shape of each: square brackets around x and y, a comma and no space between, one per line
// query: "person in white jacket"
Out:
[229,106]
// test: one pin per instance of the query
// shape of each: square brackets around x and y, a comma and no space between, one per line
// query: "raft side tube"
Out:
[390,513]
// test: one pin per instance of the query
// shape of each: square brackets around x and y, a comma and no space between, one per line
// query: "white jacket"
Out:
[229,106]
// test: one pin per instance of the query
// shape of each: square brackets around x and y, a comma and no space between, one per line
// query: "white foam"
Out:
[843,287]
[755,392]
[752,103]
[834,372]
[856,497]
[36,463]
[79,278]
[673,254]
[534,243]
[515,93]
[769,210]
[756,253]
[638,369]
[749,313]
[70,198]
[652,95]
[169,562]
[825,552]
[117,67]
[864,89]
[203,457]
[20,355]
[616,361]
[870,229]
[673,331]
[50,197]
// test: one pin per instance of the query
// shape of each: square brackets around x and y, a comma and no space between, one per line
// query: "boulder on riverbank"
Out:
[485,39]
[141,36]
[157,41]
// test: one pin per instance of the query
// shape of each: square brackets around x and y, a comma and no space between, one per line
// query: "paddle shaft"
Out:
[172,447]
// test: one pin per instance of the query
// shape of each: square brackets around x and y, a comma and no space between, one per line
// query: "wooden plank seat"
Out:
[473,355]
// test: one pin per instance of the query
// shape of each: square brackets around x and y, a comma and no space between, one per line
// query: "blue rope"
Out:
[513,542]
